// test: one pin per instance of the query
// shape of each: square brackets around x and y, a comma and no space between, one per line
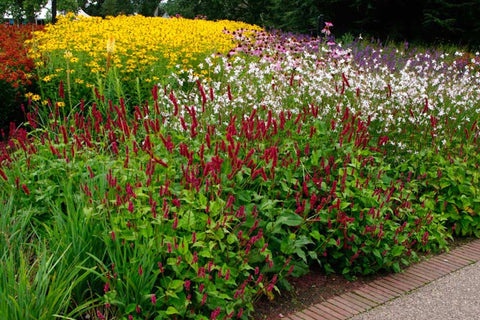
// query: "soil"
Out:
[316,287]
[309,289]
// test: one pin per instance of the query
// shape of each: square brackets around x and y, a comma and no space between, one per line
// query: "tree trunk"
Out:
[54,11]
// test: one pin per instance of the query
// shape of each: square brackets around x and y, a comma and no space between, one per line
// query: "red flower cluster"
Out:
[14,63]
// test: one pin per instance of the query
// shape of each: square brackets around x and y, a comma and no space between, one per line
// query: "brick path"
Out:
[392,286]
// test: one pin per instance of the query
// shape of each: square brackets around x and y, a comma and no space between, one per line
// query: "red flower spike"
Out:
[25,189]
[61,91]
[3,175]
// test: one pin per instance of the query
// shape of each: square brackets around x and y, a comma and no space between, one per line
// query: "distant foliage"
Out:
[424,20]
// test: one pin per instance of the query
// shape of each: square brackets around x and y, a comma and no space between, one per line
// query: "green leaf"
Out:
[202,200]
[316,235]
[397,250]
[171,310]
[176,284]
[396,267]
[290,219]
[130,308]
[301,254]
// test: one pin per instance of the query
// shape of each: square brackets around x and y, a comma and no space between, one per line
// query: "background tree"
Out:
[145,7]
[22,9]
[425,21]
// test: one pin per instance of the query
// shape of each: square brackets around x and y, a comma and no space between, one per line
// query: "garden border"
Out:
[392,286]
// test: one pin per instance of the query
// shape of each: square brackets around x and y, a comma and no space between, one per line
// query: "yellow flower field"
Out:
[130,47]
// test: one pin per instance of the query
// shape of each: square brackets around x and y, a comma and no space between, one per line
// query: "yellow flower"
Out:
[79,81]
[47,78]
[36,97]
[28,94]
[134,44]
[61,104]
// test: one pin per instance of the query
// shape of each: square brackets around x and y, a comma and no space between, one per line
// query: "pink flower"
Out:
[130,206]
[100,315]
[154,299]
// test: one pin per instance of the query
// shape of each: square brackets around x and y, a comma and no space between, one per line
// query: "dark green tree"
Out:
[146,7]
[251,11]
[22,9]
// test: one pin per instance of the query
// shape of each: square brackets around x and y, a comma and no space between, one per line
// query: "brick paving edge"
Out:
[444,264]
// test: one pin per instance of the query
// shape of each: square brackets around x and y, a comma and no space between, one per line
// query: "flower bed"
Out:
[210,193]
[124,56]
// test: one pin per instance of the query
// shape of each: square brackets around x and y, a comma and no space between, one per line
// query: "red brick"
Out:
[384,284]
[308,315]
[473,246]
[415,279]
[454,257]
[428,270]
[371,296]
[465,255]
[296,316]
[359,301]
[443,266]
[451,262]
[381,290]
[342,311]
[342,302]
[408,279]
[423,276]
[402,285]
[326,312]
[363,300]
